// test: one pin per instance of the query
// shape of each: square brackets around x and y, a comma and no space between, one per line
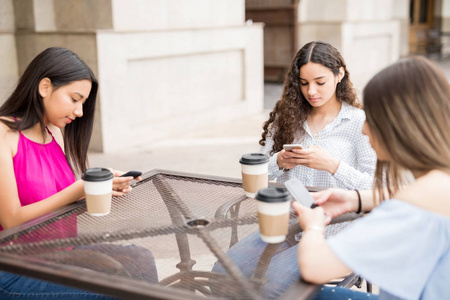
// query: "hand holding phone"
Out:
[135,174]
[290,147]
[299,192]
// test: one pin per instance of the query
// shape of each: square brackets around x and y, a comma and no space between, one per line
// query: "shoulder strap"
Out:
[48,130]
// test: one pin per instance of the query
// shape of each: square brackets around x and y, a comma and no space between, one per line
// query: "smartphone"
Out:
[289,147]
[299,192]
[132,173]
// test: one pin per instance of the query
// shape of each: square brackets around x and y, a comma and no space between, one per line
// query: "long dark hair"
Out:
[62,67]
[407,109]
[292,110]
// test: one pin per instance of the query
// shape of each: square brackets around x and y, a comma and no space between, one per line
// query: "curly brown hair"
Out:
[292,110]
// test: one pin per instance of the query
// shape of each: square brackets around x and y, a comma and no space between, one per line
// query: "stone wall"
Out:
[8,62]
[169,82]
[165,67]
[169,67]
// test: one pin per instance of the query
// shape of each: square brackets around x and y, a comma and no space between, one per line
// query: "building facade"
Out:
[168,67]
[165,67]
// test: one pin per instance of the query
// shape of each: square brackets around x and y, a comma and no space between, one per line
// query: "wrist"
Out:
[280,167]
[352,201]
[278,161]
[358,204]
[334,166]
[80,188]
[314,228]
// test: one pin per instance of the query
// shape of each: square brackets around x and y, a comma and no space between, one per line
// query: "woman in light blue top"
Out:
[403,245]
[319,110]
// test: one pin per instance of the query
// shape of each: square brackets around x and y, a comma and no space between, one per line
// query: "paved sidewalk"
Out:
[211,151]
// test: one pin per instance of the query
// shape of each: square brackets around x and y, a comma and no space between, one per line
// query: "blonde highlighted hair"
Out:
[407,108]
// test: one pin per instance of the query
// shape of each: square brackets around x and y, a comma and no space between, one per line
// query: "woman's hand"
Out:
[287,159]
[314,157]
[317,263]
[336,202]
[310,218]
[122,185]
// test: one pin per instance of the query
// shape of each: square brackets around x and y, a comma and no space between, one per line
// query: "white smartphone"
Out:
[299,192]
[289,147]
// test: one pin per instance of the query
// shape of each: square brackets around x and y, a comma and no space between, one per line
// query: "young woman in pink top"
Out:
[38,161]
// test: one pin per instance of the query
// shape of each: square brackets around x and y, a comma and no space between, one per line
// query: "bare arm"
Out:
[13,214]
[317,263]
[336,202]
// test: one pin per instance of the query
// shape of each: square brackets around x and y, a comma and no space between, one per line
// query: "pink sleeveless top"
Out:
[42,170]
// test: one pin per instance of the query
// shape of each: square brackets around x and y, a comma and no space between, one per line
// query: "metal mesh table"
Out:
[186,221]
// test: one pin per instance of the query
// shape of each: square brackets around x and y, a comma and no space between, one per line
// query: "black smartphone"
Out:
[132,173]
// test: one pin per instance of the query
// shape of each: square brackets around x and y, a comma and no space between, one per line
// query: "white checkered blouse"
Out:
[343,139]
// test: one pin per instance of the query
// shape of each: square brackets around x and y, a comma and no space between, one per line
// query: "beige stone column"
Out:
[401,13]
[445,27]
[8,63]
[366,32]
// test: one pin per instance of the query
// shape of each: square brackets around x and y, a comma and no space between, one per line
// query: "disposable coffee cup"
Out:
[98,190]
[254,167]
[273,214]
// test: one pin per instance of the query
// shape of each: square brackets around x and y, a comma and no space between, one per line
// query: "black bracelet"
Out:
[359,201]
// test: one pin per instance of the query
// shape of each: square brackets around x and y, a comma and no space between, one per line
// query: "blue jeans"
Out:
[340,293]
[282,271]
[14,286]
[136,262]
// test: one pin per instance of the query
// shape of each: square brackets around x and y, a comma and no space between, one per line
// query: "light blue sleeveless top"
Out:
[401,248]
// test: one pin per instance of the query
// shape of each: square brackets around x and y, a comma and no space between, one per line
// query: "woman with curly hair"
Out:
[319,110]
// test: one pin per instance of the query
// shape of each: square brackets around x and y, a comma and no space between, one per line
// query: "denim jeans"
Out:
[340,293]
[282,271]
[14,286]
[137,262]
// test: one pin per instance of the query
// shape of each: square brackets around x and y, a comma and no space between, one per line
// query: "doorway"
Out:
[280,34]
[424,34]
